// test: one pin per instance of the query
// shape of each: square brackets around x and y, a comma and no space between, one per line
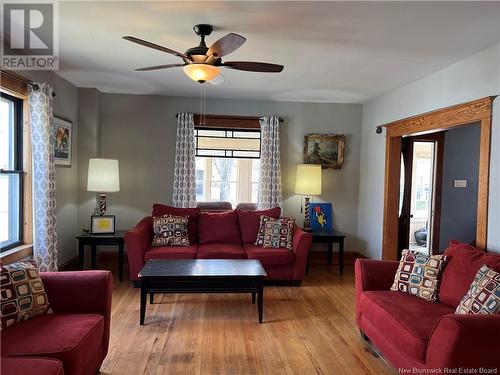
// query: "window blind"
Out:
[227,143]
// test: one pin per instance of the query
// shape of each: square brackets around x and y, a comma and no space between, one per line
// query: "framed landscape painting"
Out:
[326,150]
[62,130]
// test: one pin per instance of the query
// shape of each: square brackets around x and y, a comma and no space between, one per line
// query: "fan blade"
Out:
[217,80]
[253,66]
[156,67]
[156,46]
[225,45]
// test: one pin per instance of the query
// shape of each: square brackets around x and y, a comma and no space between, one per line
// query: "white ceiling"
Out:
[332,51]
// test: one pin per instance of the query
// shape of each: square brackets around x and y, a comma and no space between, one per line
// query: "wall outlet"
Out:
[460,183]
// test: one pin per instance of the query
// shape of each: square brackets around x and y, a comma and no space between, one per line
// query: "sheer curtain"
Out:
[270,164]
[184,192]
[44,185]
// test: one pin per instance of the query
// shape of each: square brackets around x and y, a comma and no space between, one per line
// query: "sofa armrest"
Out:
[81,292]
[138,240]
[301,244]
[468,341]
[372,275]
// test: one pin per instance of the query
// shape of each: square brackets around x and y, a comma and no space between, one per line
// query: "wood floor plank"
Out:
[307,330]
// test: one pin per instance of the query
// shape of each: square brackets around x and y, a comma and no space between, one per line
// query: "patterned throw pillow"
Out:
[483,296]
[170,230]
[275,233]
[23,294]
[419,274]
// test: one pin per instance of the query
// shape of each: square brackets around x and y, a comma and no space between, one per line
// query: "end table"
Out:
[94,240]
[329,237]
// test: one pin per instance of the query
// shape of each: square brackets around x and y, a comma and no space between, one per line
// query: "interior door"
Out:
[420,193]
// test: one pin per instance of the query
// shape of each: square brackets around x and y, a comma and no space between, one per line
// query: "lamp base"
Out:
[307,222]
[102,204]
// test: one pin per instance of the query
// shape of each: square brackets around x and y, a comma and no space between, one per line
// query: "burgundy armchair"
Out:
[74,339]
[412,333]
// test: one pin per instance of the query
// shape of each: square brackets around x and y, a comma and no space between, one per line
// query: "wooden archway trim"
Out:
[477,111]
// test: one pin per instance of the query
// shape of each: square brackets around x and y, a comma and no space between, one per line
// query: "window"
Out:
[227,179]
[11,172]
[227,164]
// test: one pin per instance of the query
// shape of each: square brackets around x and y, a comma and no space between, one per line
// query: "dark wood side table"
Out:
[329,237]
[94,240]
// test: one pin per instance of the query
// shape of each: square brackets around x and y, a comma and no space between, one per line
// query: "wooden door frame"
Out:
[477,111]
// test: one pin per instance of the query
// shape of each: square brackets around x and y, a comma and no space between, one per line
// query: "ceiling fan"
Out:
[202,64]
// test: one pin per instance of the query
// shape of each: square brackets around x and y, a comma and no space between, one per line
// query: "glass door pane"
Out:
[422,196]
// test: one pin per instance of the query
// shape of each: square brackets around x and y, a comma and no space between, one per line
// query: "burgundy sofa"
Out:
[74,339]
[222,235]
[413,333]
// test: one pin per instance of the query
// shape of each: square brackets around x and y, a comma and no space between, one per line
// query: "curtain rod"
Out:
[24,80]
[260,118]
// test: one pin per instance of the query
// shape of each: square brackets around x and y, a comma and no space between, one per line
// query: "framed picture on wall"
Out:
[326,150]
[62,130]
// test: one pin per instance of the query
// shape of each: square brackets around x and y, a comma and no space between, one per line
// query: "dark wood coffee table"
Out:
[202,276]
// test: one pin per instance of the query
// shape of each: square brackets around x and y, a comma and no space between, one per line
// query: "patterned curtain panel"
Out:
[44,186]
[270,164]
[184,194]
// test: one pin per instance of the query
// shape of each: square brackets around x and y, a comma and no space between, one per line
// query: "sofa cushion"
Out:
[22,293]
[268,256]
[220,227]
[275,233]
[483,296]
[170,230]
[192,213]
[31,366]
[419,274]
[74,339]
[250,222]
[407,321]
[221,251]
[463,263]
[171,252]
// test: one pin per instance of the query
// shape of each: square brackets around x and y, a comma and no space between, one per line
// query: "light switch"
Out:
[460,183]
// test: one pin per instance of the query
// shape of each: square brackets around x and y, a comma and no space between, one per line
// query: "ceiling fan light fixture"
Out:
[201,72]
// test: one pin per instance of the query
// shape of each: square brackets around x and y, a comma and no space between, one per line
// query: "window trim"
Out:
[18,165]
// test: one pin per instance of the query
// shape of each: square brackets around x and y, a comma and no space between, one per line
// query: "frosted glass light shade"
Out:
[201,72]
[308,180]
[103,176]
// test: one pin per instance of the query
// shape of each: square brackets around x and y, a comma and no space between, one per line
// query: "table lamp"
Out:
[103,178]
[308,183]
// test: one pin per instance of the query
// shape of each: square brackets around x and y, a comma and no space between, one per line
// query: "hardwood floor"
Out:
[307,330]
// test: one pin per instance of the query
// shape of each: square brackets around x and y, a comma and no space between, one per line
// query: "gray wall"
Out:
[65,106]
[459,205]
[140,131]
[475,77]
[89,146]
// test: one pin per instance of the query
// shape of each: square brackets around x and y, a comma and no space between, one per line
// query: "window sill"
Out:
[16,254]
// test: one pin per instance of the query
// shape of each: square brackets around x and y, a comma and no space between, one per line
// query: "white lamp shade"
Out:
[103,176]
[308,180]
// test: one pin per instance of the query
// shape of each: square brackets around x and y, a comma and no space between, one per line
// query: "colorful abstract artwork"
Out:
[320,215]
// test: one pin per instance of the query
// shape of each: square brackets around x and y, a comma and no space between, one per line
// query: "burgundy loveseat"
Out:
[219,235]
[74,339]
[412,333]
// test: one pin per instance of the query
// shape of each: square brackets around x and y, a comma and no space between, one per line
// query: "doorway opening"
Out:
[399,228]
